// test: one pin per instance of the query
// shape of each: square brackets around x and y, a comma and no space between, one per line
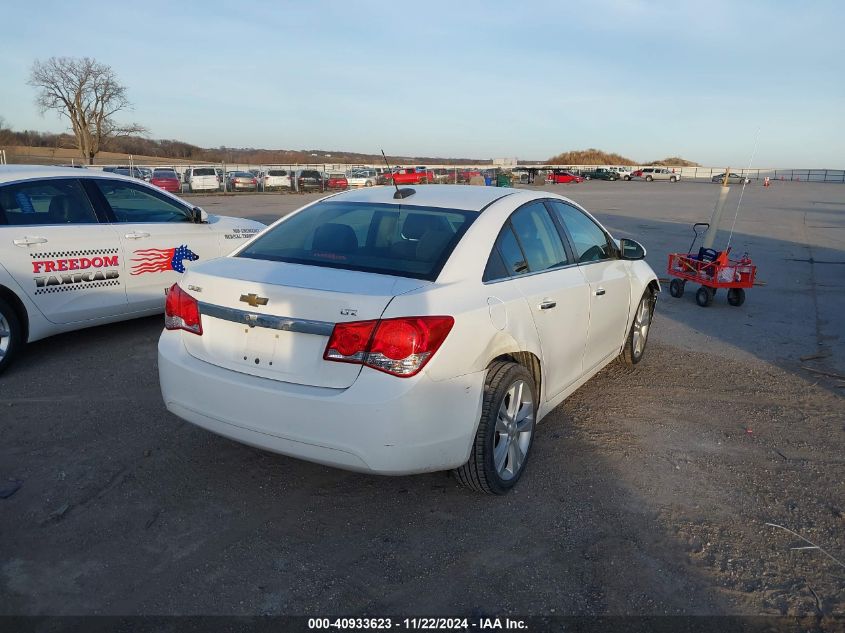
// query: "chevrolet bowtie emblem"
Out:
[254,300]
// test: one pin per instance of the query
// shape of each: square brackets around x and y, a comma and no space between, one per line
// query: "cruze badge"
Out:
[254,300]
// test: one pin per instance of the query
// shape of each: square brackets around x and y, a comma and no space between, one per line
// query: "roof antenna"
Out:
[400,193]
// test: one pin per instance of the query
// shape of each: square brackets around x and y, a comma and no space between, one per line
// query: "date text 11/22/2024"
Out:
[431,624]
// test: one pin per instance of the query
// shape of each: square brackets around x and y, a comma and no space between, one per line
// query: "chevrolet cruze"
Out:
[406,332]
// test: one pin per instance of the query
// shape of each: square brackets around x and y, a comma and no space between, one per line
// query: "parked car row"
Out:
[209,179]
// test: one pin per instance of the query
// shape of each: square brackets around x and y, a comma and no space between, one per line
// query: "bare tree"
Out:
[88,94]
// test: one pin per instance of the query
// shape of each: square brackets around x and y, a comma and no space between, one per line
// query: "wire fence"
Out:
[283,178]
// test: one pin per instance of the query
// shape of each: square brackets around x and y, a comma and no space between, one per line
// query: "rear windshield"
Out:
[310,174]
[242,174]
[204,172]
[393,239]
[277,172]
[164,173]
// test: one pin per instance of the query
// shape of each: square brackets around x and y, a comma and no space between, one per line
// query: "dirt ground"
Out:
[647,492]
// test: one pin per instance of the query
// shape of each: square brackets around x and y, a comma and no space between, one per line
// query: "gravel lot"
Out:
[647,493]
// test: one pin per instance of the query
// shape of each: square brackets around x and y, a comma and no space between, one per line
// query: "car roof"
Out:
[12,173]
[463,197]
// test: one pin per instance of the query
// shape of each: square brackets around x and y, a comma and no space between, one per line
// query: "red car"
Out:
[337,181]
[411,176]
[166,179]
[560,176]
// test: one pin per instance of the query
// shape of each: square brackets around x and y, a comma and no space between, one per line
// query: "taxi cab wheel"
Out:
[11,334]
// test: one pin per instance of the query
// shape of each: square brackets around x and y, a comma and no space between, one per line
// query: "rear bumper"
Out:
[381,424]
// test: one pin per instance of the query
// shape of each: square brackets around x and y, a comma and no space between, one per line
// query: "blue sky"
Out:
[460,79]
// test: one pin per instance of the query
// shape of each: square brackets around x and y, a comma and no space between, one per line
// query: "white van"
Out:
[202,179]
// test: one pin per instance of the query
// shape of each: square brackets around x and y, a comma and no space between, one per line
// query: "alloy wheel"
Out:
[5,336]
[642,322]
[514,427]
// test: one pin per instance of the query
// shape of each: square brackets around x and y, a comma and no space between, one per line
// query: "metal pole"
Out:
[716,218]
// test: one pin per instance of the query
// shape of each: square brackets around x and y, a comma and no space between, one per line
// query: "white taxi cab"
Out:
[81,248]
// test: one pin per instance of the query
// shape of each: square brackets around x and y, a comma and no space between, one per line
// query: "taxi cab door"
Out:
[159,237]
[54,245]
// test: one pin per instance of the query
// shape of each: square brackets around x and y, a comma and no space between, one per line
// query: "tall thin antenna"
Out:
[400,194]
[389,171]
[744,185]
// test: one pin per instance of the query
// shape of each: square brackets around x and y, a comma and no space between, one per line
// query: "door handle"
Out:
[599,292]
[548,305]
[137,235]
[29,241]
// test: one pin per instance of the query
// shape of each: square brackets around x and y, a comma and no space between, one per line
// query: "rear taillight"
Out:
[182,311]
[400,347]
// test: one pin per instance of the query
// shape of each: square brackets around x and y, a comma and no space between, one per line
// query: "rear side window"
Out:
[393,239]
[538,237]
[45,202]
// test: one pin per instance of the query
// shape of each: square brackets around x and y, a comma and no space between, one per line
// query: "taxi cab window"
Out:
[134,203]
[45,202]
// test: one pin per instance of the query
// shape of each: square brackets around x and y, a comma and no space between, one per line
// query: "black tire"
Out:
[704,296]
[676,288]
[11,335]
[479,473]
[649,178]
[736,296]
[632,353]
[672,179]
[611,179]
[588,177]
[627,178]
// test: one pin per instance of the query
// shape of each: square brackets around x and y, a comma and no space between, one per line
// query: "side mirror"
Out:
[199,215]
[631,249]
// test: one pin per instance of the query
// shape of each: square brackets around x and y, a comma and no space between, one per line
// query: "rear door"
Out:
[63,258]
[555,288]
[609,284]
[158,235]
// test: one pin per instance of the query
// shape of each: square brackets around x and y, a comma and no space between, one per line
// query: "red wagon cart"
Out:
[712,270]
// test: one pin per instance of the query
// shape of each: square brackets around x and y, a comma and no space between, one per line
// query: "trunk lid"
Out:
[283,338]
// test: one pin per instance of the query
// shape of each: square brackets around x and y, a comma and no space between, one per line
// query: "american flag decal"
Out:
[159,260]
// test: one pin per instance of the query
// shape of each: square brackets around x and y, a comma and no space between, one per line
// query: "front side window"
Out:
[45,202]
[135,203]
[588,239]
[393,239]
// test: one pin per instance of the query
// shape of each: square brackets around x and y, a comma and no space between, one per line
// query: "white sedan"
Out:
[85,247]
[362,178]
[401,333]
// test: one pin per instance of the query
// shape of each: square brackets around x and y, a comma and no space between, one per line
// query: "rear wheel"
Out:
[672,179]
[11,334]
[587,177]
[704,296]
[648,178]
[676,288]
[505,431]
[736,296]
